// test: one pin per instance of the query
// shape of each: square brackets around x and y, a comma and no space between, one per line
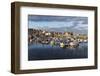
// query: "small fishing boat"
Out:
[52,43]
[30,40]
[69,45]
[62,45]
[73,44]
[85,41]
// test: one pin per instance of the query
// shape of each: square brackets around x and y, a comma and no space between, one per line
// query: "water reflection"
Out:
[47,52]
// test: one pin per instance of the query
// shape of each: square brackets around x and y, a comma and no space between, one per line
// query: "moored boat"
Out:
[73,44]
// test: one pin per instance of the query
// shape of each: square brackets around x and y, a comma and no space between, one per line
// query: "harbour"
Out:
[48,52]
[46,45]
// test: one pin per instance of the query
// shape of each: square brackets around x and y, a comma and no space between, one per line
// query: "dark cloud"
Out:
[75,24]
[57,18]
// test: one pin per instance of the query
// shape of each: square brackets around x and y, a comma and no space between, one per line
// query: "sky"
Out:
[59,23]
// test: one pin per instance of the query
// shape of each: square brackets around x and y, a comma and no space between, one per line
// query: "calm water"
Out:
[47,52]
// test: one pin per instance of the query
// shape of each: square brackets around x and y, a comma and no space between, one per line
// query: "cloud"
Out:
[57,18]
[59,23]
